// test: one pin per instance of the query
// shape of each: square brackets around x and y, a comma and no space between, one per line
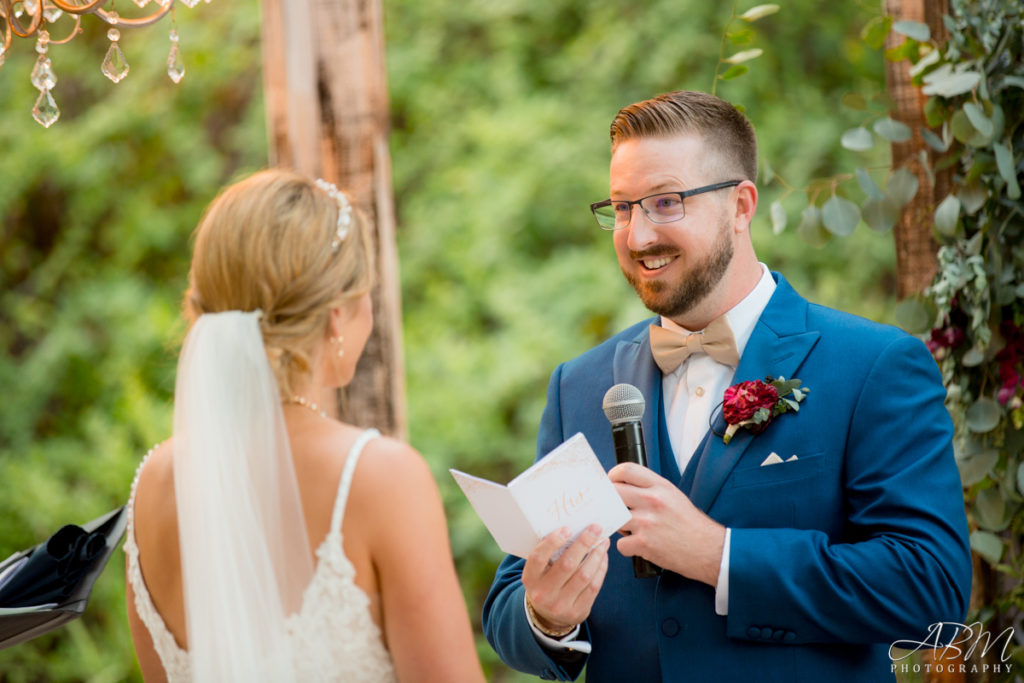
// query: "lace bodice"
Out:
[333,636]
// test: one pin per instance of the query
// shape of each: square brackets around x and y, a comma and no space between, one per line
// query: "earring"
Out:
[338,341]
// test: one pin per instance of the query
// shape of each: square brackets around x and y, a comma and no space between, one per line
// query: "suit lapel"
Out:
[778,346]
[634,365]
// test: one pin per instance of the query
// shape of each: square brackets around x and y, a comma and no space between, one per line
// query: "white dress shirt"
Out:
[694,389]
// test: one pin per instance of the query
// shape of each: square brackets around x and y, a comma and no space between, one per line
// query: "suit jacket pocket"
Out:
[806,465]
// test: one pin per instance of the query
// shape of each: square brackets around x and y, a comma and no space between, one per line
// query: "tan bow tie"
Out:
[670,348]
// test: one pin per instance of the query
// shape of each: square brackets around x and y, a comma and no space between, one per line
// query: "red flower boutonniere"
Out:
[755,404]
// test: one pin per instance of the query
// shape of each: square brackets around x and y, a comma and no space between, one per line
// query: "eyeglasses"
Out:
[659,208]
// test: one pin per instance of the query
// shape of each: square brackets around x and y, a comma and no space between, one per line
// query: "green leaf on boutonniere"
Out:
[761,415]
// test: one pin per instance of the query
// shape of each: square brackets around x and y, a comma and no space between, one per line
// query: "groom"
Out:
[796,553]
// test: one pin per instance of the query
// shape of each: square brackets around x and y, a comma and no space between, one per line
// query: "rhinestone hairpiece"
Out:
[344,211]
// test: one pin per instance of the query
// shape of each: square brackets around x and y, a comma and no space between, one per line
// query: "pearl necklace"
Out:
[306,403]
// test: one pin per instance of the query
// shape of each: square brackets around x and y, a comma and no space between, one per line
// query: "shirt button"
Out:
[700,391]
[670,627]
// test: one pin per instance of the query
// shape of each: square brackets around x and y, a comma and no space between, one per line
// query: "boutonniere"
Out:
[756,403]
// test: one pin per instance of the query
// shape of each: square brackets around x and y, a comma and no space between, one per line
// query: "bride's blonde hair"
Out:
[265,243]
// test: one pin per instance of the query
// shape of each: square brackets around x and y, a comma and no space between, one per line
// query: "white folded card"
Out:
[567,487]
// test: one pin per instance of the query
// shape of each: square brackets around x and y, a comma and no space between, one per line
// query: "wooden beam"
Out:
[328,117]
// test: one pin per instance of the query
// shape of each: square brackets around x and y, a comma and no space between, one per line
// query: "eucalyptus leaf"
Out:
[881,215]
[922,64]
[902,187]
[962,128]
[1014,80]
[947,214]
[767,172]
[1020,478]
[840,215]
[933,140]
[1004,162]
[947,84]
[735,71]
[988,545]
[778,214]
[868,184]
[810,227]
[983,415]
[893,130]
[973,197]
[976,467]
[744,56]
[912,316]
[972,358]
[978,119]
[759,12]
[857,139]
[913,29]
[990,509]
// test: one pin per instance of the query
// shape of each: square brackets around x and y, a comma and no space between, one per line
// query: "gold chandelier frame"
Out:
[13,26]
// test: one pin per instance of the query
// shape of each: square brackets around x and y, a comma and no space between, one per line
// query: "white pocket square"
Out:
[775,459]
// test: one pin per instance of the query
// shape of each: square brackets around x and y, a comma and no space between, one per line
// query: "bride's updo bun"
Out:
[266,243]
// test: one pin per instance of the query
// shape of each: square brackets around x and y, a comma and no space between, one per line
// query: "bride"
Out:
[267,541]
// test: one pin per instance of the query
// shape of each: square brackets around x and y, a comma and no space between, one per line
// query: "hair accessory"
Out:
[344,211]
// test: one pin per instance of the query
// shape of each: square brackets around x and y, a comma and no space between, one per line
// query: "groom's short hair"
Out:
[726,132]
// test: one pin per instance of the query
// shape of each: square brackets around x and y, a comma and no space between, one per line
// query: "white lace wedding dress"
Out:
[333,636]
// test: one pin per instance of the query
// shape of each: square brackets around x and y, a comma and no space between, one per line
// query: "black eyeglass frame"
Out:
[682,199]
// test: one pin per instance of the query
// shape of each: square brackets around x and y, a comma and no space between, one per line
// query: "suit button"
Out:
[789,636]
[670,627]
[753,632]
[778,634]
[766,633]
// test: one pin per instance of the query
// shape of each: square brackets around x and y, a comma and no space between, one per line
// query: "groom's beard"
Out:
[674,299]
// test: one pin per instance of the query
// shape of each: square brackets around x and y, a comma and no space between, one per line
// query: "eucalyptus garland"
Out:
[976,112]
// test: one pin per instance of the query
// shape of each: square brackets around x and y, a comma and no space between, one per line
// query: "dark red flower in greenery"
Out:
[945,338]
[756,403]
[1011,362]
[951,334]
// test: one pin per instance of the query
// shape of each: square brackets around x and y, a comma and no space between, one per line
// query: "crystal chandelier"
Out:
[33,18]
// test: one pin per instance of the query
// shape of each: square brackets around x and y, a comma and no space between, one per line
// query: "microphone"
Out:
[623,405]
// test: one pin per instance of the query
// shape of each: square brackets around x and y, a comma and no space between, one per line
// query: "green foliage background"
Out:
[500,116]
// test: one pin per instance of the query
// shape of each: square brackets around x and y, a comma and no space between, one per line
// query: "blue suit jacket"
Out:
[859,542]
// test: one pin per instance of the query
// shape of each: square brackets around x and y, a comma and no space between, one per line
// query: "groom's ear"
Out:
[746,205]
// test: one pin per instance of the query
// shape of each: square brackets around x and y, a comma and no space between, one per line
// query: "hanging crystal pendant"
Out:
[190,3]
[141,3]
[3,55]
[115,67]
[31,6]
[43,77]
[175,65]
[51,12]
[45,112]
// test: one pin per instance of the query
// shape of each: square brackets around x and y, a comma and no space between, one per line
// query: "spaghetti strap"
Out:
[346,477]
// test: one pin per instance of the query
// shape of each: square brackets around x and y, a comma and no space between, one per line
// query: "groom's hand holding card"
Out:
[566,488]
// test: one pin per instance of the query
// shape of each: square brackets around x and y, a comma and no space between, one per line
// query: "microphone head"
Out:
[623,403]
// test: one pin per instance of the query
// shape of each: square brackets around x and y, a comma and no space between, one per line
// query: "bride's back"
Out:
[279,312]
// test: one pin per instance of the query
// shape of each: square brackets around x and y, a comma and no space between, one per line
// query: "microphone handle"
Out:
[628,438]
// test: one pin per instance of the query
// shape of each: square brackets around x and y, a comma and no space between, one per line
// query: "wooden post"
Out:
[327,117]
[916,263]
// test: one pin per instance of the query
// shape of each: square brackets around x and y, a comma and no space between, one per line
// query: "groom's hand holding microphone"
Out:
[665,529]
